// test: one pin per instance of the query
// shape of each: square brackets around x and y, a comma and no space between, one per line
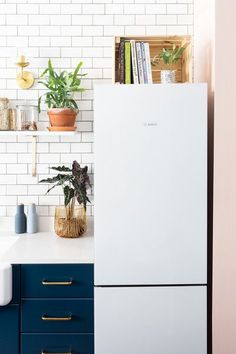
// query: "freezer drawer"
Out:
[153,320]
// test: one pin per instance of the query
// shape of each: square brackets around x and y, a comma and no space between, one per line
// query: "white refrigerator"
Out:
[151,219]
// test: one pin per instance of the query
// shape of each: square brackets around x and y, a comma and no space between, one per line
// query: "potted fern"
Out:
[169,57]
[61,88]
[70,219]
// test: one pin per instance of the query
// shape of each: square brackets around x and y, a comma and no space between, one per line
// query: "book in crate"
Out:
[133,56]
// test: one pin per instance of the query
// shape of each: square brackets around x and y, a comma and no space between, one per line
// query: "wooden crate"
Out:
[183,67]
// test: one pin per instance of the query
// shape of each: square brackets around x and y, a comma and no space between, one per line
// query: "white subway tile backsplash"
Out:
[3,189]
[145,19]
[28,30]
[61,147]
[3,147]
[60,19]
[26,9]
[39,189]
[3,169]
[17,190]
[177,9]
[5,179]
[185,19]
[7,9]
[114,9]
[103,20]
[16,147]
[93,9]
[8,158]
[8,200]
[124,19]
[16,19]
[27,179]
[134,9]
[8,30]
[166,19]
[81,147]
[71,9]
[28,199]
[49,9]
[49,200]
[66,31]
[17,168]
[39,20]
[156,9]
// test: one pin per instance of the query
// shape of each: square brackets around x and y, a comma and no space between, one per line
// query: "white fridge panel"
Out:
[155,320]
[150,184]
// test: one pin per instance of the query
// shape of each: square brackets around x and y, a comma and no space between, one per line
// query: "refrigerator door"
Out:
[154,320]
[150,184]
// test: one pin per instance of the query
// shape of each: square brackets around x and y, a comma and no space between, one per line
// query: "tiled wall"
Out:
[67,31]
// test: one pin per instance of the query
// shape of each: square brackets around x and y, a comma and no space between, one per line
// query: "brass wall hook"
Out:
[25,79]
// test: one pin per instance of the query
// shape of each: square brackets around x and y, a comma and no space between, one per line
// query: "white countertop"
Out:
[46,247]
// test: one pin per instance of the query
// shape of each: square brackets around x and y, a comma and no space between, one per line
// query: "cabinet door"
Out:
[57,315]
[57,343]
[9,329]
[153,320]
[57,280]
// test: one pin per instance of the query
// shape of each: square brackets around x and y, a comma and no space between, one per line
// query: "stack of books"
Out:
[134,62]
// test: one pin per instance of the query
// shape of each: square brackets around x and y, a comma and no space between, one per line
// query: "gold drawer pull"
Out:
[47,282]
[43,352]
[46,318]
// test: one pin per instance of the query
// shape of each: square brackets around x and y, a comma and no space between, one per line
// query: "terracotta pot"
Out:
[62,117]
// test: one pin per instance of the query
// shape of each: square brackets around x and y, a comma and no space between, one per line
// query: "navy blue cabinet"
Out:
[57,343]
[10,318]
[57,280]
[52,310]
[57,315]
[57,308]
[9,329]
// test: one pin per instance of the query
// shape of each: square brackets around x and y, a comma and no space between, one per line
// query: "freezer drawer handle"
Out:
[47,318]
[43,352]
[47,282]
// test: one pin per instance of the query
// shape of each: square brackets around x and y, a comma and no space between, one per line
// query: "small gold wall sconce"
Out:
[25,79]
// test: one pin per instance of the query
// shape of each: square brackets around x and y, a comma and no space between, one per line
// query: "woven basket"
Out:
[70,223]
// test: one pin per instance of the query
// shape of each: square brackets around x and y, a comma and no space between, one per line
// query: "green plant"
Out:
[169,56]
[61,87]
[74,182]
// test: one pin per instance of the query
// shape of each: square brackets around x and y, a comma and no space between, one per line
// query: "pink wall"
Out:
[224,295]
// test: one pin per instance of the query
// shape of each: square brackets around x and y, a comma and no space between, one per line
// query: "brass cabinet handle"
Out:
[47,282]
[43,352]
[47,318]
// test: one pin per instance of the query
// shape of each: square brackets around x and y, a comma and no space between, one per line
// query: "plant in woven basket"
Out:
[69,220]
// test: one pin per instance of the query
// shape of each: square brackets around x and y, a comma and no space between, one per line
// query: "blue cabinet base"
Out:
[57,343]
[9,329]
[53,291]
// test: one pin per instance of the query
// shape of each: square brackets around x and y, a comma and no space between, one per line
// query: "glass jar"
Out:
[12,118]
[27,117]
[4,120]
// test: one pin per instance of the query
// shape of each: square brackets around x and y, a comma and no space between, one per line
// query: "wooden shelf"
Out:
[35,133]
[183,67]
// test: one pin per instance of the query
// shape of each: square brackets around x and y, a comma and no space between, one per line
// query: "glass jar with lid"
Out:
[27,117]
[4,120]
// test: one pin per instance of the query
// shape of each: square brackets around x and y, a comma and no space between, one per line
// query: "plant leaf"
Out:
[76,71]
[69,194]
[61,169]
